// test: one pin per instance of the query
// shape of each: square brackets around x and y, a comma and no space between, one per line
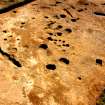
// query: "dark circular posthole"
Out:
[62,15]
[51,66]
[79,78]
[44,46]
[64,60]
[99,62]
[68,30]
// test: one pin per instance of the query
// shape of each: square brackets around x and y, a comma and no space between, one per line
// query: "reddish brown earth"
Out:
[53,53]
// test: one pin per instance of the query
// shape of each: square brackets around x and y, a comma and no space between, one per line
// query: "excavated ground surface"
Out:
[53,53]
